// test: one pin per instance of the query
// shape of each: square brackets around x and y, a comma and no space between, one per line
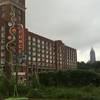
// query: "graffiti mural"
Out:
[11,37]
[15,44]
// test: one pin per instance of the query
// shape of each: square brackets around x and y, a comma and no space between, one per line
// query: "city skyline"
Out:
[74,22]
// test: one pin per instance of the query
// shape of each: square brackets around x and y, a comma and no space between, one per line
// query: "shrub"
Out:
[22,90]
[6,87]
[35,93]
[69,78]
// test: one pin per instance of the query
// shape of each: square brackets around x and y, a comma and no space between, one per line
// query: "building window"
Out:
[34,59]
[38,45]
[29,52]
[34,49]
[42,42]
[2,61]
[38,50]
[47,52]
[60,55]
[38,41]
[47,60]
[53,61]
[50,48]
[47,47]
[46,64]
[53,54]
[39,64]
[38,54]
[50,61]
[43,64]
[29,48]
[38,59]
[47,56]
[3,35]
[46,43]
[34,39]
[43,59]
[43,55]
[60,58]
[2,41]
[50,57]
[29,38]
[60,62]
[29,43]
[33,43]
[2,54]
[42,51]
[42,46]
[34,53]
[29,63]
[50,53]
[29,58]
[2,47]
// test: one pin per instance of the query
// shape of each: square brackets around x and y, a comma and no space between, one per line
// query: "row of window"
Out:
[2,43]
[40,59]
[41,54]
[44,51]
[33,41]
[41,65]
[35,46]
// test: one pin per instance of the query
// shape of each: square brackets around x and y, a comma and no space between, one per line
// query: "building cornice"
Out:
[12,3]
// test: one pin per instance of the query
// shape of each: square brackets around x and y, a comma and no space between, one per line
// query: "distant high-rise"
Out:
[92,56]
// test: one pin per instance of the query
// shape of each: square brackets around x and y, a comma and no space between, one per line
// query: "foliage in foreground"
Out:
[6,87]
[67,93]
[77,84]
[70,78]
[70,93]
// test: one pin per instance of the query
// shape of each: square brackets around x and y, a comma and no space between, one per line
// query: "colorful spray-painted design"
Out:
[11,37]
[15,44]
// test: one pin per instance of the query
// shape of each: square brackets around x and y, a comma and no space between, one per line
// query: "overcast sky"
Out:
[75,22]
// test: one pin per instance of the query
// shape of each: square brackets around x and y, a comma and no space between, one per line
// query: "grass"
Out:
[69,93]
[17,99]
[64,93]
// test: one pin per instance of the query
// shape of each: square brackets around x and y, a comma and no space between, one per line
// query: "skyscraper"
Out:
[92,56]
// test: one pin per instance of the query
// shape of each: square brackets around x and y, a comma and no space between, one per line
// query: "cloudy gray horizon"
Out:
[75,22]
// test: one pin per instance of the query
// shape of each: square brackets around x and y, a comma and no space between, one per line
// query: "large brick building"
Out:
[29,50]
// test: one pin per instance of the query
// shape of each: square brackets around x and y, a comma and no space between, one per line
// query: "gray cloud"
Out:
[76,22]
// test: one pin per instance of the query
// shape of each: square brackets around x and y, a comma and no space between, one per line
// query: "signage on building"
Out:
[21,40]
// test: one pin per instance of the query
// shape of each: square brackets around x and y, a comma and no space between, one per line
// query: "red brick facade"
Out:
[48,55]
[39,53]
